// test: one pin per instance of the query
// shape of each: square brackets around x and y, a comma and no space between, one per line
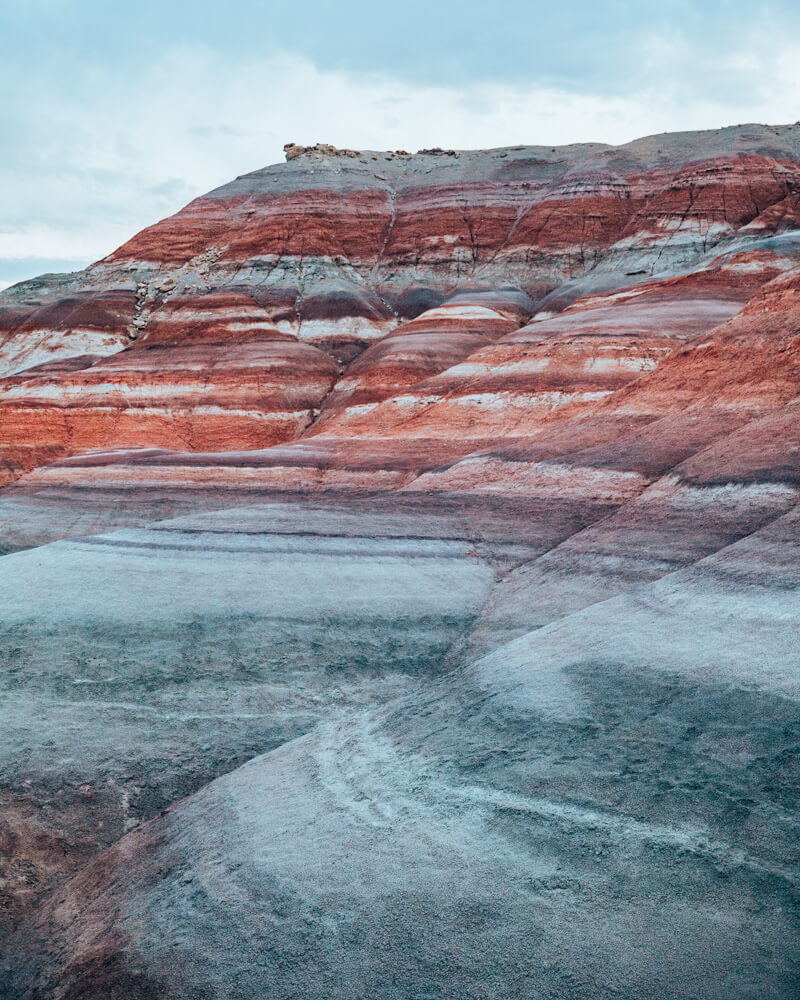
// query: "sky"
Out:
[114,114]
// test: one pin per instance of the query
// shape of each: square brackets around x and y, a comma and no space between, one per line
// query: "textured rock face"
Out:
[402,585]
[337,248]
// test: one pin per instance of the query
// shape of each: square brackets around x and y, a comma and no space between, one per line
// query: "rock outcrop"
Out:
[402,584]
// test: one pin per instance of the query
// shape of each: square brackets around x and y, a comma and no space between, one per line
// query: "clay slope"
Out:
[336,249]
[405,603]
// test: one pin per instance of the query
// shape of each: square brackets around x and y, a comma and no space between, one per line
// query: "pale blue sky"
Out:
[116,114]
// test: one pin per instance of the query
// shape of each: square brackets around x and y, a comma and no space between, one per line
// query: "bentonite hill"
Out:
[400,582]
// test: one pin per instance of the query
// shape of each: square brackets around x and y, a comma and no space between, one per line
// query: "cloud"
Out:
[123,148]
[580,46]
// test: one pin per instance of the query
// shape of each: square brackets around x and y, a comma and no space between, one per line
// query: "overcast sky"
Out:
[115,114]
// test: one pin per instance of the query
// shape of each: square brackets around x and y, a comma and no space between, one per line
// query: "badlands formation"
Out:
[399,593]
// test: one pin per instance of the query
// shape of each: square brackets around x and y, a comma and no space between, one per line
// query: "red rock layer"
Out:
[211,375]
[738,372]
[424,346]
[545,213]
[84,323]
[335,249]
[514,388]
[610,447]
